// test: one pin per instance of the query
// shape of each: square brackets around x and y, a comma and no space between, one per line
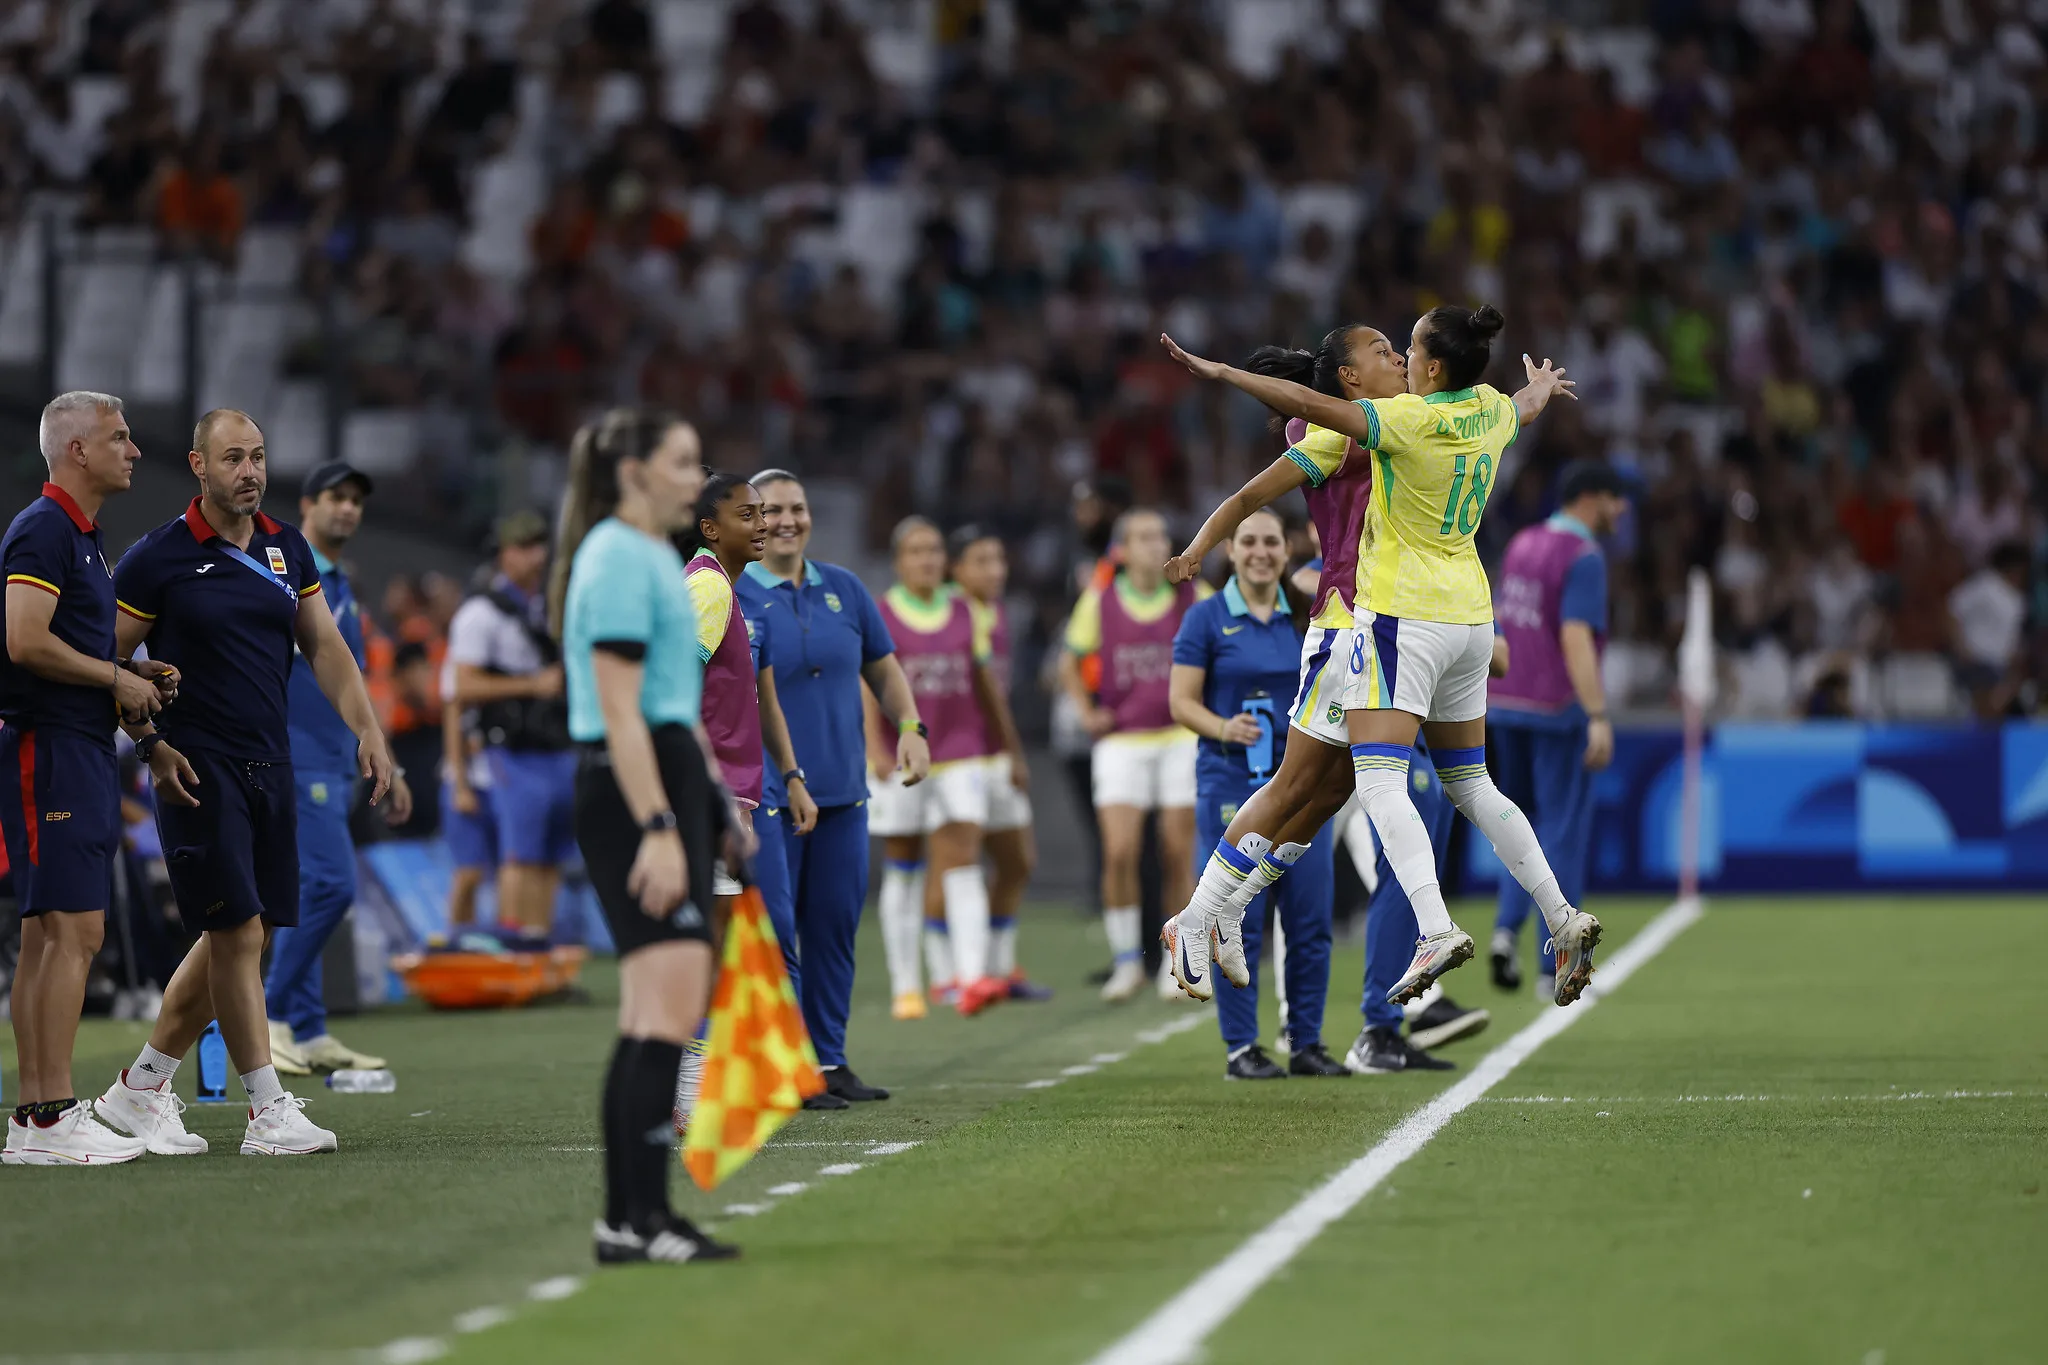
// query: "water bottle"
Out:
[213,1065]
[362,1082]
[1258,755]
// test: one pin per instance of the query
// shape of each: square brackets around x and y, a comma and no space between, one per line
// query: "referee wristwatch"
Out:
[661,822]
[146,746]
[795,775]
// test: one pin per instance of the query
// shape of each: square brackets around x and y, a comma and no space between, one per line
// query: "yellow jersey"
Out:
[1434,461]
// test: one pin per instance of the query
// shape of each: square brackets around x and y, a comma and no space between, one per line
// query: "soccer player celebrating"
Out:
[323,767]
[981,569]
[946,655]
[1550,727]
[60,805]
[224,592]
[1143,761]
[1424,640]
[1232,650]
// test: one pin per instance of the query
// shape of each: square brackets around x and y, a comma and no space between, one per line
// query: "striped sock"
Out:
[1466,782]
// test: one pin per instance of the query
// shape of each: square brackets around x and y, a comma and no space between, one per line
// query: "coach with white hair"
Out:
[60,791]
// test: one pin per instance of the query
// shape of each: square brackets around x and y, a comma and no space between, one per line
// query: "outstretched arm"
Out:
[1268,486]
[1545,380]
[1284,396]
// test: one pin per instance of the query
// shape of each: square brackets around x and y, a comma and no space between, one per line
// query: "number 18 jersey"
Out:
[1434,461]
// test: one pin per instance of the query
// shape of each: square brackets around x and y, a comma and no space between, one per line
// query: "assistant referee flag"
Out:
[759,1064]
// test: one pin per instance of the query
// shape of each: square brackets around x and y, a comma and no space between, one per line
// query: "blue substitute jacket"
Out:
[321,739]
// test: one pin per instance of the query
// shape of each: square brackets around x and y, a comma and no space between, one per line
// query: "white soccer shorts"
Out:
[952,793]
[1427,668]
[1008,808]
[1152,771]
[1318,709]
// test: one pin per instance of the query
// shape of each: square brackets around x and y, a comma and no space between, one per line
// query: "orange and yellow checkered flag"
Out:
[758,1063]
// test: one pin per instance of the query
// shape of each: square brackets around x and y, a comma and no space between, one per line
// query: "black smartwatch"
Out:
[795,775]
[661,822]
[146,746]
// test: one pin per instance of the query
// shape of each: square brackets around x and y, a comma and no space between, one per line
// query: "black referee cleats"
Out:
[1314,1060]
[1253,1064]
[673,1240]
[825,1099]
[840,1081]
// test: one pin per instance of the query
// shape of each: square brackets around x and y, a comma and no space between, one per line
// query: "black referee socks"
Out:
[650,1138]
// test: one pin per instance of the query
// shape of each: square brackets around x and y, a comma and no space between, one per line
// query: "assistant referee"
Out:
[648,816]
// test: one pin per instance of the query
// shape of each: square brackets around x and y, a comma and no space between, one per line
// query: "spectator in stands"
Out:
[198,208]
[509,670]
[1989,610]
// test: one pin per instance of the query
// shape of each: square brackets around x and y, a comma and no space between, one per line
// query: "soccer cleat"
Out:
[156,1116]
[1383,1051]
[1022,988]
[945,994]
[1226,942]
[17,1132]
[825,1099]
[281,1128]
[908,1005]
[1434,956]
[329,1053]
[675,1241]
[1253,1064]
[1187,955]
[1574,945]
[285,1053]
[840,1081]
[1446,1021]
[1314,1060]
[1507,972]
[76,1139]
[1125,981]
[980,995]
[689,1075]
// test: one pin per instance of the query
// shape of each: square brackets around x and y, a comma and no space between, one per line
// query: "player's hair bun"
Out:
[1486,322]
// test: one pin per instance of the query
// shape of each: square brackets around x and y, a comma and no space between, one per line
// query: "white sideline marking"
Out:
[840,1168]
[413,1350]
[1080,1069]
[1895,1096]
[1175,1332]
[1040,1085]
[788,1188]
[481,1319]
[551,1290]
[888,1148]
[1100,1060]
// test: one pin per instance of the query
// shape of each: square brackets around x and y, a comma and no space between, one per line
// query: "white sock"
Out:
[263,1086]
[1463,773]
[1225,874]
[902,915]
[938,953]
[1002,945]
[1120,923]
[1244,890]
[966,893]
[1381,774]
[152,1070]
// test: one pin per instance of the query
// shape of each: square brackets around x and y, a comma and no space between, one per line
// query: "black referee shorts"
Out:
[610,839]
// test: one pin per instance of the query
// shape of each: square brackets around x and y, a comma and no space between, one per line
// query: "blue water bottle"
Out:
[1258,755]
[213,1065]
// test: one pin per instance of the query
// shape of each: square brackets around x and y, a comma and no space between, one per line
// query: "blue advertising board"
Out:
[1823,805]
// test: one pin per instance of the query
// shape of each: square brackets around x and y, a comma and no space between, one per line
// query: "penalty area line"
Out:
[1173,1335]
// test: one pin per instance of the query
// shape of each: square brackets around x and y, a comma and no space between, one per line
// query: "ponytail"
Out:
[593,487]
[1315,369]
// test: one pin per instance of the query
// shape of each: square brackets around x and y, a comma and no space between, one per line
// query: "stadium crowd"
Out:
[1791,251]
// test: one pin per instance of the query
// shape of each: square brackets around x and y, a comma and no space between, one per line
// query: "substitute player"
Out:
[981,569]
[224,592]
[1549,714]
[60,804]
[324,769]
[1232,652]
[945,653]
[1143,762]
[1424,639]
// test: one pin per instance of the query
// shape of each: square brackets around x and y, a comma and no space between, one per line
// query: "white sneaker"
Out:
[1227,945]
[1126,979]
[156,1116]
[17,1133]
[1186,938]
[285,1053]
[281,1128]
[329,1053]
[76,1139]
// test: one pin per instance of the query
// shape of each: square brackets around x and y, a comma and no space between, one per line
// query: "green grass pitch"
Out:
[1810,1131]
